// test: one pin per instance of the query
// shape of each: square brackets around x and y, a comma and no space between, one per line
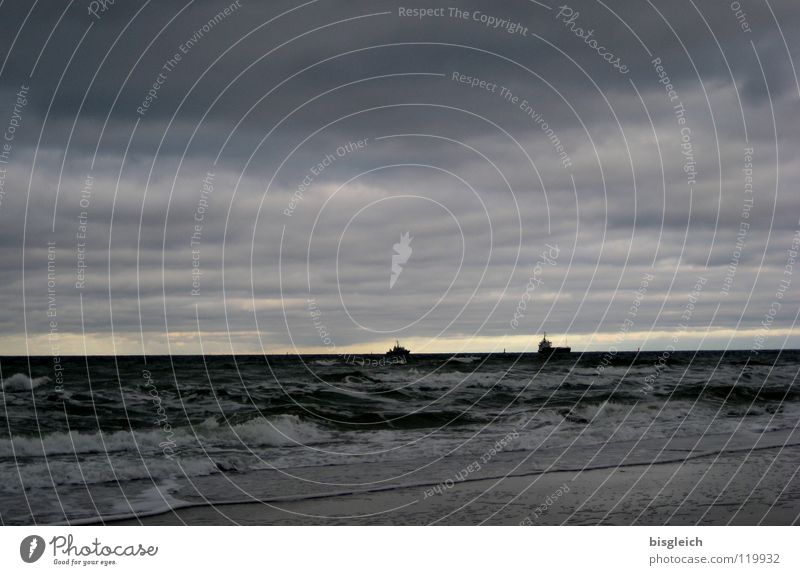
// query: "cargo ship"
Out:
[546,347]
[398,351]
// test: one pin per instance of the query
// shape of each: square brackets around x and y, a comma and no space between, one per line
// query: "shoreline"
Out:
[724,487]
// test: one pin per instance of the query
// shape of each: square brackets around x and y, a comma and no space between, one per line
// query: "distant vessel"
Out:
[546,347]
[398,351]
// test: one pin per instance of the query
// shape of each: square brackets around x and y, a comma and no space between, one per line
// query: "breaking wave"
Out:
[21,382]
[259,431]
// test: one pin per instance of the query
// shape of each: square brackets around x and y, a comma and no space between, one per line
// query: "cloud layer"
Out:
[234,176]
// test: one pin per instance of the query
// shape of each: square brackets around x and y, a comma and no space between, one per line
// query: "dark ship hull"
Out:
[403,354]
[555,351]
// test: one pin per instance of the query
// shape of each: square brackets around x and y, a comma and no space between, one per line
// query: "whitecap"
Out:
[21,382]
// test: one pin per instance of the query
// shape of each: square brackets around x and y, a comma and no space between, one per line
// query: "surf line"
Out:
[343,493]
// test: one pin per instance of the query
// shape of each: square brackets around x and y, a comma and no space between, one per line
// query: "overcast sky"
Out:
[579,169]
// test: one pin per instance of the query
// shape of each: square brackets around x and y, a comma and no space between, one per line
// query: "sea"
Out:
[92,439]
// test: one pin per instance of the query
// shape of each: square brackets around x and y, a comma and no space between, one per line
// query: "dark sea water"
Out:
[125,436]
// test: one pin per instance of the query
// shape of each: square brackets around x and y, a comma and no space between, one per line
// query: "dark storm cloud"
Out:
[275,96]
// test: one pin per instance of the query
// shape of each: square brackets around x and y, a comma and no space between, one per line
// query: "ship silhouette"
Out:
[546,347]
[398,351]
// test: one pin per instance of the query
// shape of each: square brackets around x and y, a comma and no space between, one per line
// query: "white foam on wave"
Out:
[277,430]
[465,359]
[45,475]
[274,431]
[121,461]
[21,382]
